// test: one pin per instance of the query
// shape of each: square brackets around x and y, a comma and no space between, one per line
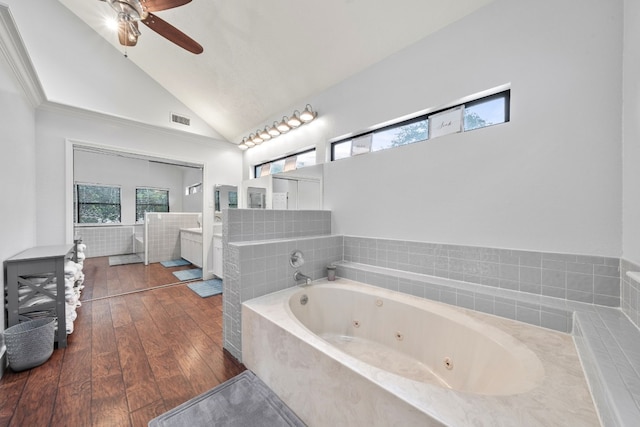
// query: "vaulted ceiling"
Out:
[265,57]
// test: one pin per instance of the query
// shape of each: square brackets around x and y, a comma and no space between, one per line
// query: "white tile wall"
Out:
[163,234]
[106,240]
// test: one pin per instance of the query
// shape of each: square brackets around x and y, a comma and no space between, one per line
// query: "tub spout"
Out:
[298,276]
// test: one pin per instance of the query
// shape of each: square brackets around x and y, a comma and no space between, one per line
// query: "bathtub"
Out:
[346,353]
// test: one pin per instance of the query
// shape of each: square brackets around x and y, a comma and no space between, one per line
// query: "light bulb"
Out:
[294,121]
[273,130]
[308,114]
[264,134]
[283,127]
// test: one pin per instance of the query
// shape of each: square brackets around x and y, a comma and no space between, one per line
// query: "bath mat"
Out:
[194,273]
[175,263]
[206,288]
[242,401]
[125,259]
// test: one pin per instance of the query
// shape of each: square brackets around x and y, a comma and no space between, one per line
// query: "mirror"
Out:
[225,197]
[296,193]
[257,198]
[299,189]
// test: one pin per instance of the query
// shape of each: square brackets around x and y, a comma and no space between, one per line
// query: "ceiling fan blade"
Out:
[128,33]
[158,5]
[172,34]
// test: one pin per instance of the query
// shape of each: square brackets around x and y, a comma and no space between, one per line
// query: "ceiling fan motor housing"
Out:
[131,9]
[130,12]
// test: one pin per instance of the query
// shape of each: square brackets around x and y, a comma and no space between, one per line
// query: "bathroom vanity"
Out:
[191,245]
[217,250]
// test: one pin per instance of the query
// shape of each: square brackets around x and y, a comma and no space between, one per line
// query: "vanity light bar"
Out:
[296,120]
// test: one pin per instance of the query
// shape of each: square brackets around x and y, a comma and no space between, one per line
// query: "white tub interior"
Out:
[425,342]
[329,374]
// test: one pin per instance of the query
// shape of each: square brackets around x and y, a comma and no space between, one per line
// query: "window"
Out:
[97,204]
[479,113]
[308,158]
[277,166]
[488,111]
[233,199]
[403,134]
[285,164]
[340,150]
[151,200]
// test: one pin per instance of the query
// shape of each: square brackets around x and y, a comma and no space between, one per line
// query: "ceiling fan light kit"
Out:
[296,120]
[130,12]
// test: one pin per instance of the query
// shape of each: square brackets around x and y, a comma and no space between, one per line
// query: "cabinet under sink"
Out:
[191,245]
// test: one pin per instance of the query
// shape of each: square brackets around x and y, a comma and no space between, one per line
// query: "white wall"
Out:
[17,171]
[191,202]
[631,133]
[129,174]
[549,180]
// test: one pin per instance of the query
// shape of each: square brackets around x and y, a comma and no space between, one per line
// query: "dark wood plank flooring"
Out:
[102,280]
[130,358]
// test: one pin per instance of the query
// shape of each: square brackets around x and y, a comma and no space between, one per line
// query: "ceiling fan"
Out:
[130,12]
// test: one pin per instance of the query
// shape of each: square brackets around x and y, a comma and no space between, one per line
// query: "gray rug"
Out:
[242,401]
[125,259]
[174,263]
[192,274]
[206,288]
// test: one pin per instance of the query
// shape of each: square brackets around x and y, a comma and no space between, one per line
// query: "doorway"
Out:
[112,226]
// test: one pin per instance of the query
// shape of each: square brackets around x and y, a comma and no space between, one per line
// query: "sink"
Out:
[192,230]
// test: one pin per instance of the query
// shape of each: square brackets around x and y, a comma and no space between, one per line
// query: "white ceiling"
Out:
[265,57]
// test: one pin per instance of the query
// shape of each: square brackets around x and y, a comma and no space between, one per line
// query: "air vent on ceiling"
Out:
[175,118]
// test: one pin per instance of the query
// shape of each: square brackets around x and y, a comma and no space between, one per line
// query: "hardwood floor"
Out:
[120,279]
[130,358]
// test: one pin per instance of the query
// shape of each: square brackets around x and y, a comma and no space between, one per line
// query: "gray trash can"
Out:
[29,344]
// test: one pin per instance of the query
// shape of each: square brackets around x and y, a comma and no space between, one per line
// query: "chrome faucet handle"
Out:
[298,275]
[296,259]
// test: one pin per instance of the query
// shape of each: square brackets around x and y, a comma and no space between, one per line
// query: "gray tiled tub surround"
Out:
[513,279]
[583,278]
[538,310]
[257,244]
[609,347]
[243,225]
[630,299]
[256,269]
